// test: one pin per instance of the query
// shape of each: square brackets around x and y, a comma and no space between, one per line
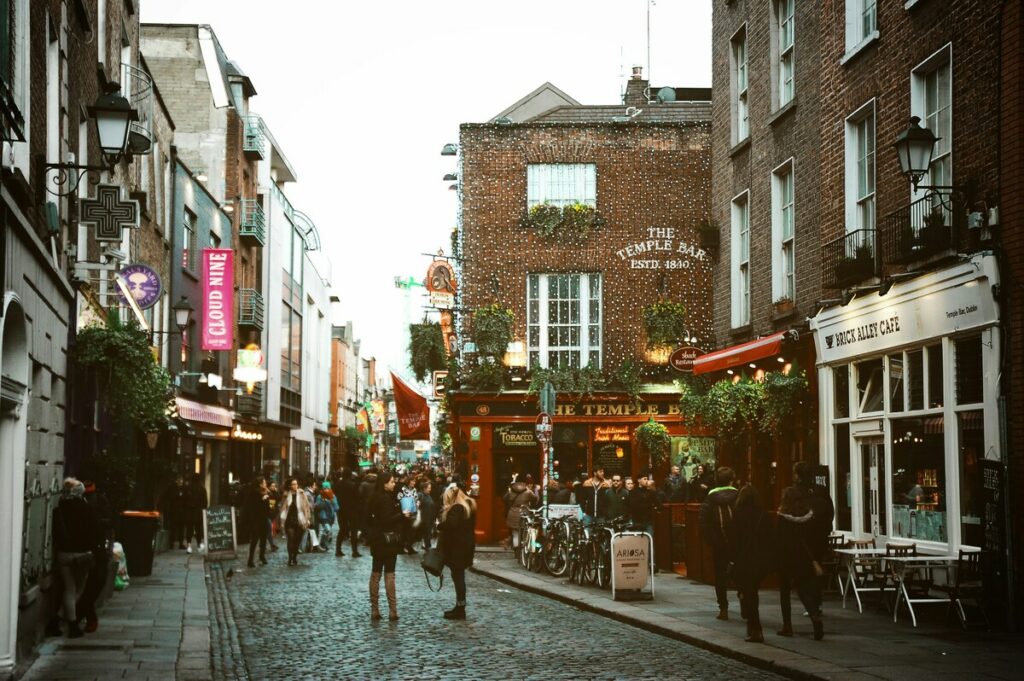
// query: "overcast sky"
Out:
[362,95]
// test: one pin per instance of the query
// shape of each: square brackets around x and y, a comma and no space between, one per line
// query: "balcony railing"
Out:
[250,404]
[848,260]
[926,228]
[137,87]
[250,308]
[253,227]
[254,144]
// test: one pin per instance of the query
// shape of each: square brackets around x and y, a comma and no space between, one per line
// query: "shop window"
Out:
[969,379]
[844,486]
[971,426]
[870,394]
[934,355]
[896,382]
[841,381]
[873,490]
[919,479]
[915,379]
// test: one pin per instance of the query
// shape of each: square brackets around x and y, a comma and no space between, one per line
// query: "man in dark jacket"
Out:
[350,510]
[715,526]
[173,502]
[616,498]
[673,489]
[366,487]
[195,504]
[256,510]
[643,502]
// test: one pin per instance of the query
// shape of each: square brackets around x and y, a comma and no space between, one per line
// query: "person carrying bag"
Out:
[457,544]
[75,533]
[384,524]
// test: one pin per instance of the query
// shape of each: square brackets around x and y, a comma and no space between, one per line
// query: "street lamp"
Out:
[182,313]
[113,114]
[915,147]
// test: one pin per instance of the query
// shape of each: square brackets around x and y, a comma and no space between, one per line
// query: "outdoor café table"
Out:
[863,558]
[901,566]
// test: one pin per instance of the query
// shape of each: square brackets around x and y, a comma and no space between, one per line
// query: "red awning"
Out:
[719,360]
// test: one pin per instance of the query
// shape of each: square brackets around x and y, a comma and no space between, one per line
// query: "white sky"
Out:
[362,95]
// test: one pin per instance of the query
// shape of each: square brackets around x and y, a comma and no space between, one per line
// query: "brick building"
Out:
[914,307]
[577,298]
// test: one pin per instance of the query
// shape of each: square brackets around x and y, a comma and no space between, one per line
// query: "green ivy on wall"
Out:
[426,349]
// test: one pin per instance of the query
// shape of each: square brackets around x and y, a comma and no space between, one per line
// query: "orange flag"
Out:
[413,411]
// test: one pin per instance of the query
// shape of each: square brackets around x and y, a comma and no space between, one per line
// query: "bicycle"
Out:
[531,532]
[603,548]
[556,553]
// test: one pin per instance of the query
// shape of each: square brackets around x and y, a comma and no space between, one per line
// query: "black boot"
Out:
[74,631]
[456,613]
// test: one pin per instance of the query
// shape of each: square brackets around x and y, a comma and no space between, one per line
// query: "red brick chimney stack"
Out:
[636,89]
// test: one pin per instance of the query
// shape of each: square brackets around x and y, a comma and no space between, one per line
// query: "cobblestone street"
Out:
[312,621]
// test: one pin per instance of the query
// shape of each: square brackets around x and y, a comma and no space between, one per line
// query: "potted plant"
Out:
[935,233]
[783,304]
[572,222]
[665,322]
[653,438]
[492,330]
[426,349]
[708,234]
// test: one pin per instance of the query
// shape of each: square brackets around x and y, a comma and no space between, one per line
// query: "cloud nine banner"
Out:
[218,298]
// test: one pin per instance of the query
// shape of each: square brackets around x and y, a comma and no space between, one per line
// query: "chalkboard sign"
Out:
[219,525]
[614,457]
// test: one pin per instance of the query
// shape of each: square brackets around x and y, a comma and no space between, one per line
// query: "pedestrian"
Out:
[195,504]
[409,498]
[673,488]
[752,542]
[643,502]
[428,513]
[559,493]
[616,498]
[458,543]
[274,501]
[703,482]
[75,533]
[715,524]
[256,510]
[518,498]
[385,523]
[173,502]
[295,517]
[816,532]
[326,508]
[366,488]
[349,513]
[97,578]
[796,565]
[589,497]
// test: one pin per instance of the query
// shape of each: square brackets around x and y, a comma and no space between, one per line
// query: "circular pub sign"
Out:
[143,283]
[682,358]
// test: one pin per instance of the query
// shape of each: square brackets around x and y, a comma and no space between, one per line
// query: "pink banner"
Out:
[218,298]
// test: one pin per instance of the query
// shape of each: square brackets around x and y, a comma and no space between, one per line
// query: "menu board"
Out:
[992,488]
[219,525]
[614,457]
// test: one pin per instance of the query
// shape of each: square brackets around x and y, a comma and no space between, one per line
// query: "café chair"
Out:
[968,584]
[916,582]
[831,562]
[865,574]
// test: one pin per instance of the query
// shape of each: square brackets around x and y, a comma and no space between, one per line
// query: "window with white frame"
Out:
[740,278]
[782,48]
[861,22]
[564,320]
[931,99]
[783,233]
[860,169]
[561,184]
[740,103]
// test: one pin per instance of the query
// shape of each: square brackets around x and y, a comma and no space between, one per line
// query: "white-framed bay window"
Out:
[740,108]
[561,184]
[782,46]
[740,269]
[860,169]
[564,319]
[783,233]
[931,100]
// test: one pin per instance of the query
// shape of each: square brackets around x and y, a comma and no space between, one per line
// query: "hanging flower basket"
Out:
[426,350]
[653,438]
[572,222]
[665,323]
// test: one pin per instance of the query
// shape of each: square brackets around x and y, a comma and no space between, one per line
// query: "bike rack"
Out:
[628,565]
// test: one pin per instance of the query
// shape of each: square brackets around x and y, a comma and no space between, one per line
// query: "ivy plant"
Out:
[572,222]
[665,323]
[653,438]
[426,349]
[783,395]
[492,330]
[583,381]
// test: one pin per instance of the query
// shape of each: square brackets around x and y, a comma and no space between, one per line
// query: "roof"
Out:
[544,98]
[676,112]
[235,71]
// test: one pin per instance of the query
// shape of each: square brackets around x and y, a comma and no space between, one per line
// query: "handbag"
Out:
[391,540]
[433,564]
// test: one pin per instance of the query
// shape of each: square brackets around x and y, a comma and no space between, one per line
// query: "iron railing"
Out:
[849,260]
[928,227]
[250,404]
[137,88]
[254,144]
[253,225]
[250,308]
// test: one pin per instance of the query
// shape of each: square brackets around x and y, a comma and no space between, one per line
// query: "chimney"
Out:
[636,87]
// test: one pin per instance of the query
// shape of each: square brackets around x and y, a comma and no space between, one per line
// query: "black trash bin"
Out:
[138,537]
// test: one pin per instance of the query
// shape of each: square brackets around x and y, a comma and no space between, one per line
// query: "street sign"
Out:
[682,358]
[544,428]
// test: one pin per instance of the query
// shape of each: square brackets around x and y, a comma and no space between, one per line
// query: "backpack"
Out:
[819,501]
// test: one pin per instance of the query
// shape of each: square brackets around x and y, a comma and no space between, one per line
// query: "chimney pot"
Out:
[638,72]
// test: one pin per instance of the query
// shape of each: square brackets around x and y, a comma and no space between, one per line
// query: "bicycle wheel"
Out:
[536,551]
[556,558]
[588,564]
[604,566]
[522,551]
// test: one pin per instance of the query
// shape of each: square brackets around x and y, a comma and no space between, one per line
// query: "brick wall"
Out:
[648,175]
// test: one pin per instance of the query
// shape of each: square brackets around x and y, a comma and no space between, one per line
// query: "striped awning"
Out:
[206,413]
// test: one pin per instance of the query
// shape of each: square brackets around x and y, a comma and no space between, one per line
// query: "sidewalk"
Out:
[158,629]
[857,647]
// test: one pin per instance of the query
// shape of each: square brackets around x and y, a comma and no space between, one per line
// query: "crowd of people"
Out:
[390,511]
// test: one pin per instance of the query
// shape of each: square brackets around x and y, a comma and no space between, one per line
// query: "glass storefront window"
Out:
[971,427]
[872,452]
[969,378]
[934,353]
[844,487]
[896,382]
[841,380]
[915,379]
[919,479]
[870,393]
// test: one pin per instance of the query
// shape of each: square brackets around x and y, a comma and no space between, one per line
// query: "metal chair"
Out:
[968,584]
[866,574]
[831,563]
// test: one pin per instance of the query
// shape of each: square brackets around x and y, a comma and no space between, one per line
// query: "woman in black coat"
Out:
[796,561]
[75,534]
[753,555]
[457,543]
[384,521]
